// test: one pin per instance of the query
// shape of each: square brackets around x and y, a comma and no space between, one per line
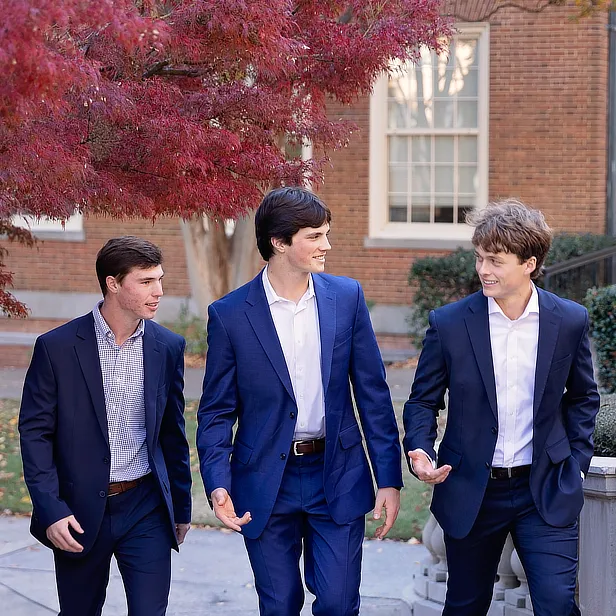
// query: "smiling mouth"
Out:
[489,283]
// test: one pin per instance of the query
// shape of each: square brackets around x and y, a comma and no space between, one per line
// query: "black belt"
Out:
[301,448]
[496,472]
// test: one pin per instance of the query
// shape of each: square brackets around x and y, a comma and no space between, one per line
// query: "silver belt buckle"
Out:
[294,448]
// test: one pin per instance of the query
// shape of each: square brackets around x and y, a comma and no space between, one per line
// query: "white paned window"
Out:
[428,142]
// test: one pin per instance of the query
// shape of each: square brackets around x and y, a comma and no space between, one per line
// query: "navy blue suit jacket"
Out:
[247,380]
[63,427]
[457,357]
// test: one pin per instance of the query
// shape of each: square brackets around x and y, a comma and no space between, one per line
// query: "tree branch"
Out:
[541,6]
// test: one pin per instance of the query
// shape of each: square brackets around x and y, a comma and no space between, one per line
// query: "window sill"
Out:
[417,243]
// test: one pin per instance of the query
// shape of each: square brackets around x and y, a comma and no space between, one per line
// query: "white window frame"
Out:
[46,228]
[381,232]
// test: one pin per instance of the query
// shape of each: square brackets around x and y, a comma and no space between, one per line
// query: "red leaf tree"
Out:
[182,108]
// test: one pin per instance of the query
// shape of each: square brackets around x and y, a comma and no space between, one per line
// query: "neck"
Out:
[514,306]
[121,324]
[287,284]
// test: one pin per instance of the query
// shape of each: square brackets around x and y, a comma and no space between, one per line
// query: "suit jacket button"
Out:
[102,493]
[292,415]
[283,456]
[488,465]
[105,460]
[494,431]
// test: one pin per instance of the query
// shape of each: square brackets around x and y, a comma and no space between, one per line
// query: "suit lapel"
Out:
[151,376]
[326,307]
[260,319]
[549,324]
[86,348]
[478,328]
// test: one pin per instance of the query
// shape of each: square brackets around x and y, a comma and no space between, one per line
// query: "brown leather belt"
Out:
[301,448]
[117,487]
[507,473]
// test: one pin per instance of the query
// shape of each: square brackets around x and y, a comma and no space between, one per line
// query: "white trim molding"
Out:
[382,231]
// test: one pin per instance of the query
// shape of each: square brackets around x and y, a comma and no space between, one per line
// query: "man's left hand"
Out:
[180,532]
[389,498]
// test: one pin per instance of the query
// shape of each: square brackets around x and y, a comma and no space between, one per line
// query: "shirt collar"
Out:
[103,327]
[531,307]
[273,297]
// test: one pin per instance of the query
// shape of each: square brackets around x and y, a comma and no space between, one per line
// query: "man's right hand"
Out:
[225,512]
[60,535]
[422,467]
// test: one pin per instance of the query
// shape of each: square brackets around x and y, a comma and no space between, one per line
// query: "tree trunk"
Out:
[219,258]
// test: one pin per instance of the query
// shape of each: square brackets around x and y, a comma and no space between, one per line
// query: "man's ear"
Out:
[112,284]
[278,245]
[531,265]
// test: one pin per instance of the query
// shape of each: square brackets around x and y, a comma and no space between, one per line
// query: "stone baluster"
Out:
[506,577]
[518,597]
[423,568]
[438,572]
[426,539]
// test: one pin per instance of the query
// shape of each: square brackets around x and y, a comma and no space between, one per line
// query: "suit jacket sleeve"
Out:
[374,401]
[581,402]
[174,444]
[218,407]
[427,394]
[37,427]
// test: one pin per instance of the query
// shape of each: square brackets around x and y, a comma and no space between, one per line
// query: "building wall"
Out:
[547,141]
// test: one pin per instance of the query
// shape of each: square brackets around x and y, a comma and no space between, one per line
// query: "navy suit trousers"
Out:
[135,530]
[547,553]
[332,552]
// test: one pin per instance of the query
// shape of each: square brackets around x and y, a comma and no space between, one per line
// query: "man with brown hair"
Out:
[516,362]
[103,444]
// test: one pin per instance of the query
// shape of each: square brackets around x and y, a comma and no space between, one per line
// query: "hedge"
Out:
[601,304]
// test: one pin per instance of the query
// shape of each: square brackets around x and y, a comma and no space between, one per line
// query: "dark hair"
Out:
[283,212]
[510,226]
[120,255]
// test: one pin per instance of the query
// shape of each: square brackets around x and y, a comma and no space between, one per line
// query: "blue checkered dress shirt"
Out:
[122,369]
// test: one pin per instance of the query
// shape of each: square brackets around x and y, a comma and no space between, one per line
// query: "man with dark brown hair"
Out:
[516,362]
[102,439]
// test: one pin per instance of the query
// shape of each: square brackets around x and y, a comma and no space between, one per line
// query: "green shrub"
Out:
[441,280]
[601,304]
[605,428]
[194,330]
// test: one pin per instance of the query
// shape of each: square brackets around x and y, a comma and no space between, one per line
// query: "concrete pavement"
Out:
[211,575]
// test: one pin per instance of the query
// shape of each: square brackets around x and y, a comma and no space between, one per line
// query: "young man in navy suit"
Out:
[516,362]
[283,353]
[102,440]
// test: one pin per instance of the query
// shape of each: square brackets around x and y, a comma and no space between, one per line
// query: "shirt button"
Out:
[102,494]
[283,456]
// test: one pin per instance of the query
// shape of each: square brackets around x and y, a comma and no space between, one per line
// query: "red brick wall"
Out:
[547,141]
[69,266]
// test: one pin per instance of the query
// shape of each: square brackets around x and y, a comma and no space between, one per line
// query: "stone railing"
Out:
[510,597]
[597,568]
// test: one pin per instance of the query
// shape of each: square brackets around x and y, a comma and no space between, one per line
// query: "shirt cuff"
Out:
[433,462]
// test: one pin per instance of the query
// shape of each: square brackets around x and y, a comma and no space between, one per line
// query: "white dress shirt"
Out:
[297,326]
[514,357]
